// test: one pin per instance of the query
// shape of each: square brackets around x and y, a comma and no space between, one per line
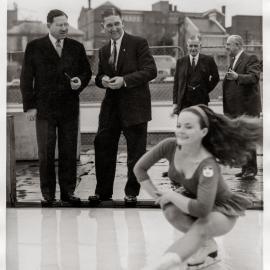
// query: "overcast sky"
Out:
[37,10]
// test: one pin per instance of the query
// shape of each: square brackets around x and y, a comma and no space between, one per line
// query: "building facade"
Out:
[164,25]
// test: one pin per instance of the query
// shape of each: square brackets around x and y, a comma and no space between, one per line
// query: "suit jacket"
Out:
[137,66]
[44,85]
[209,74]
[243,95]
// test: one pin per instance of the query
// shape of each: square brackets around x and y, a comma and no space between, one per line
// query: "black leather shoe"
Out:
[239,174]
[96,199]
[48,201]
[165,174]
[248,175]
[71,199]
[130,200]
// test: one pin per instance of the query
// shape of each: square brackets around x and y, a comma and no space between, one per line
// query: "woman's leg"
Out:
[215,224]
[180,220]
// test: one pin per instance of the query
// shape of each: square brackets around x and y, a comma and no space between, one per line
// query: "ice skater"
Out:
[203,207]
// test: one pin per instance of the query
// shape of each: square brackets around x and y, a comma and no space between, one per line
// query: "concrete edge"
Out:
[257,205]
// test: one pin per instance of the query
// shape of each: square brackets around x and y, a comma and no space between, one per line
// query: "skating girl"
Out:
[203,207]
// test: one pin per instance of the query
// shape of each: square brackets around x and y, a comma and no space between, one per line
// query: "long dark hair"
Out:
[230,140]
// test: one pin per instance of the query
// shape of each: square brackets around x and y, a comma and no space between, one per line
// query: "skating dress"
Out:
[206,189]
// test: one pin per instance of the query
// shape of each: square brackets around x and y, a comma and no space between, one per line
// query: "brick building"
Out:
[247,26]
[163,25]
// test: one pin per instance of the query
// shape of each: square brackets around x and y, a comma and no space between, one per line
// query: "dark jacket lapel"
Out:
[48,48]
[186,65]
[239,60]
[122,52]
[107,51]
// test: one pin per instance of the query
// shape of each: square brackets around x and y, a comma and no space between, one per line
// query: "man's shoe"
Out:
[130,200]
[249,175]
[48,201]
[94,200]
[97,199]
[71,199]
[240,174]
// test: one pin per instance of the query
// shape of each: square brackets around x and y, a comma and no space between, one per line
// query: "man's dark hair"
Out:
[113,11]
[55,13]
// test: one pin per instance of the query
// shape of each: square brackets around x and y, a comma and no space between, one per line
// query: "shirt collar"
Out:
[118,41]
[196,58]
[238,55]
[53,40]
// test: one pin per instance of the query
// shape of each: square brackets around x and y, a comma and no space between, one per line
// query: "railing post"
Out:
[10,163]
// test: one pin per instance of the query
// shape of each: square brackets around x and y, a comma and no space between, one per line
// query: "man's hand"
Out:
[31,114]
[116,82]
[231,75]
[105,81]
[75,83]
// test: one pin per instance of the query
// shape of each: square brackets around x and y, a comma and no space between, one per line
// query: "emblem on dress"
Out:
[208,171]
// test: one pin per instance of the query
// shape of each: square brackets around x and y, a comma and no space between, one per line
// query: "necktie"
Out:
[112,59]
[231,62]
[193,63]
[58,47]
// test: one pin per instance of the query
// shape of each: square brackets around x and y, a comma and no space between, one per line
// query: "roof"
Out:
[106,4]
[206,26]
[190,14]
[37,28]
[212,11]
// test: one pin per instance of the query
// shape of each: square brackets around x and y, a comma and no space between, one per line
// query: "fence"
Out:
[161,87]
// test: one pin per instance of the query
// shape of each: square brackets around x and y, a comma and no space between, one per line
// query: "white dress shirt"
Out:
[236,58]
[118,45]
[196,59]
[53,41]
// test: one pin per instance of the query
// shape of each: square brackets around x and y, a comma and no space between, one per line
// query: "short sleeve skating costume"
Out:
[206,189]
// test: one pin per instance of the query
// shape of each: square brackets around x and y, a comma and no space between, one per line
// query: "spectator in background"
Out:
[241,91]
[55,70]
[196,75]
[125,68]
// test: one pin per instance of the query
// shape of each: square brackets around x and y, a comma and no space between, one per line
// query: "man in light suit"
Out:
[125,68]
[54,72]
[196,75]
[241,91]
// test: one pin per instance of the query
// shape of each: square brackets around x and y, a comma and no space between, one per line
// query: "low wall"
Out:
[161,126]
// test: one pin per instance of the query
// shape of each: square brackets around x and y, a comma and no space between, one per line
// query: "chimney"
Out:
[223,10]
[89,4]
[175,8]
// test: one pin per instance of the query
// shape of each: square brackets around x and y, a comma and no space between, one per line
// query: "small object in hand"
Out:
[67,76]
[71,79]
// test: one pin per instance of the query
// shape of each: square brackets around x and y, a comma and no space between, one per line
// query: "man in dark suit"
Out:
[241,90]
[125,68]
[54,72]
[196,75]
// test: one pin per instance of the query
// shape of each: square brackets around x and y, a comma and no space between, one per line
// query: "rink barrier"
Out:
[257,205]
